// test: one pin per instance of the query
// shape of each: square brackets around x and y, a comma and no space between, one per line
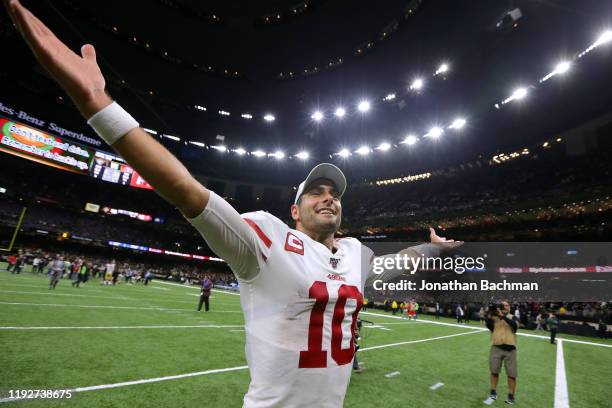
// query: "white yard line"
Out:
[112,307]
[464,326]
[182,285]
[561,395]
[207,326]
[148,380]
[401,343]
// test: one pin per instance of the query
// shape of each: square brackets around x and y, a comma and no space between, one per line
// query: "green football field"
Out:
[146,346]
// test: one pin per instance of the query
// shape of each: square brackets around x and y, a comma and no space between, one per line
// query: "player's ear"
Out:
[295,212]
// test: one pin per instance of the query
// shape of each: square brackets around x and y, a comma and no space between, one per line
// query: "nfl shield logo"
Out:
[334,262]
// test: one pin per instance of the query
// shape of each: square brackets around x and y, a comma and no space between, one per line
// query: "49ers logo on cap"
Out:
[294,244]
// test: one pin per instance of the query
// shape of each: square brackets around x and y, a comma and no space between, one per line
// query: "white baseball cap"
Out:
[326,171]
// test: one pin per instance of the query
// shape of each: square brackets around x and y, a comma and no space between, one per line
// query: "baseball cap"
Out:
[327,171]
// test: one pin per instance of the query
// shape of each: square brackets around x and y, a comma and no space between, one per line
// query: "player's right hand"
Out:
[79,75]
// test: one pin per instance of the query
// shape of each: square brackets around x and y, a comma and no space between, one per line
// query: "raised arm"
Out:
[80,76]
[82,79]
[432,249]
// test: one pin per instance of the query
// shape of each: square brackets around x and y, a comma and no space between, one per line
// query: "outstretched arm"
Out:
[81,78]
[433,249]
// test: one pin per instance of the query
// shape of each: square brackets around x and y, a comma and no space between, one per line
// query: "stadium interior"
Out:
[488,126]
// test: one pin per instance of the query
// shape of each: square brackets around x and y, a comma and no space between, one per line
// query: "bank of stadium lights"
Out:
[258,153]
[442,69]
[405,179]
[409,140]
[268,117]
[417,84]
[151,131]
[389,97]
[363,106]
[224,113]
[247,116]
[363,150]
[518,94]
[344,153]
[303,155]
[171,137]
[560,69]
[317,116]
[219,148]
[199,144]
[435,132]
[340,112]
[457,124]
[383,147]
[200,108]
[240,151]
[604,38]
[278,155]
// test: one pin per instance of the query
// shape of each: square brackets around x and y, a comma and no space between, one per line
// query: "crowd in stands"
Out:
[125,268]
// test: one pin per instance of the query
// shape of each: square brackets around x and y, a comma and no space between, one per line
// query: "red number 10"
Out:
[315,356]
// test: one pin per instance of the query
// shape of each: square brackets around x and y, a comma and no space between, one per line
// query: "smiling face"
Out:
[318,210]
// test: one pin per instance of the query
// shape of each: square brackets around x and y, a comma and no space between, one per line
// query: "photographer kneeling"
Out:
[503,328]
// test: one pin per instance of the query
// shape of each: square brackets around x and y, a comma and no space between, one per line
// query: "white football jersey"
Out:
[300,304]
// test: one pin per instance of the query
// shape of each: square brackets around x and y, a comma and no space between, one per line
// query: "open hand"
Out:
[79,75]
[443,242]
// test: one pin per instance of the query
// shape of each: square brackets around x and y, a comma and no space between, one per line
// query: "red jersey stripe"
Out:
[259,232]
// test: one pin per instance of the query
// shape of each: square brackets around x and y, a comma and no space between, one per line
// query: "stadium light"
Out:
[278,155]
[562,67]
[458,123]
[219,148]
[363,150]
[383,147]
[269,117]
[224,113]
[344,153]
[258,153]
[518,94]
[200,107]
[389,97]
[302,155]
[363,106]
[442,69]
[417,84]
[604,38]
[240,151]
[409,140]
[247,116]
[435,132]
[151,131]
[176,138]
[317,116]
[200,144]
[340,112]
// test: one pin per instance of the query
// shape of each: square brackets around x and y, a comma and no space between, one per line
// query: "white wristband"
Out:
[112,123]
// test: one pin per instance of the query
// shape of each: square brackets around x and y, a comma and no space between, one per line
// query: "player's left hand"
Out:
[443,242]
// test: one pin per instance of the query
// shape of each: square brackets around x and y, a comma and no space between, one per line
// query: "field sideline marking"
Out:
[222,370]
[561,397]
[113,307]
[210,326]
[417,341]
[483,329]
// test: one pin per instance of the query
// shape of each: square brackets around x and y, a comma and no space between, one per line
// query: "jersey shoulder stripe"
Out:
[262,235]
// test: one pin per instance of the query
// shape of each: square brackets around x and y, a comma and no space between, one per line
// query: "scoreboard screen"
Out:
[113,169]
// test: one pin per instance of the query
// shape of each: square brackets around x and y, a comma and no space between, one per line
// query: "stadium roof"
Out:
[353,51]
